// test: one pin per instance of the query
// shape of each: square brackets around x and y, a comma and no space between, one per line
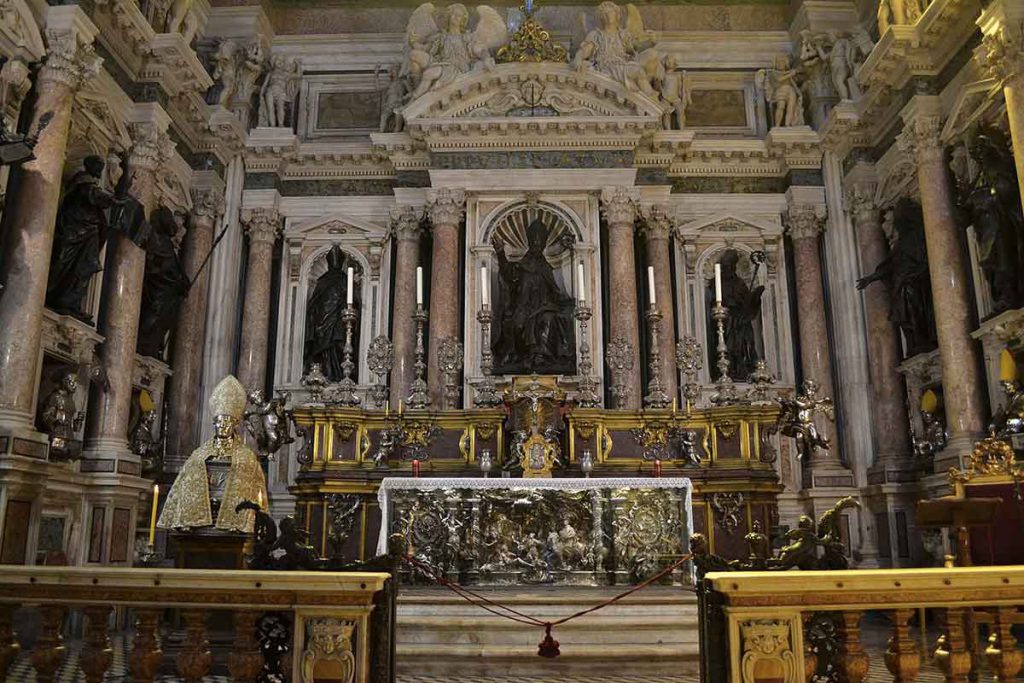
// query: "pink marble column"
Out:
[405,228]
[657,227]
[263,227]
[28,235]
[951,298]
[888,407]
[619,206]
[190,331]
[110,407]
[446,208]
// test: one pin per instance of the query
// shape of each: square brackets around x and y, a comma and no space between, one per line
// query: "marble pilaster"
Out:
[107,427]
[619,207]
[187,351]
[405,228]
[28,235]
[951,296]
[657,228]
[446,208]
[262,227]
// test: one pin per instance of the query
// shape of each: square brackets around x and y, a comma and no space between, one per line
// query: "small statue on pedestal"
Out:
[61,418]
[781,93]
[188,504]
[796,419]
[279,90]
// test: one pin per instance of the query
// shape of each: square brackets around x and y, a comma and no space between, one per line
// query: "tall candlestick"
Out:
[718,283]
[349,293]
[419,285]
[485,286]
[152,515]
[582,290]
[650,285]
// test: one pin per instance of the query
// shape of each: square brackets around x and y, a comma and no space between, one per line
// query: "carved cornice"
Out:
[70,60]
[175,66]
[843,130]
[805,221]
[920,138]
[619,205]
[262,225]
[405,223]
[446,206]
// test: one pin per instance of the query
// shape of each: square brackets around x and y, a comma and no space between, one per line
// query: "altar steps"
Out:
[652,632]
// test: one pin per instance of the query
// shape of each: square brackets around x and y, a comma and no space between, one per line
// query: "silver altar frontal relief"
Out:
[540,531]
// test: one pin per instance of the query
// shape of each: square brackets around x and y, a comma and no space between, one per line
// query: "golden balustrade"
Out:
[757,622]
[337,619]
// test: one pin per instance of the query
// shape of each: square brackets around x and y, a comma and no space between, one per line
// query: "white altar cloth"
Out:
[389,484]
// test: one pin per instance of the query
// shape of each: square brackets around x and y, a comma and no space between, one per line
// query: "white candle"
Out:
[582,290]
[650,285]
[718,283]
[419,285]
[485,286]
[350,280]
[152,515]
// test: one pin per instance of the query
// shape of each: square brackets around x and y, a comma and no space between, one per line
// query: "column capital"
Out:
[151,146]
[619,205]
[922,127]
[658,221]
[859,199]
[1001,52]
[71,59]
[446,206]
[207,202]
[805,221]
[405,223]
[262,224]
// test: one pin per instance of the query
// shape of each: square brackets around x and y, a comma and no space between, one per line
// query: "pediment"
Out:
[971,104]
[525,91]
[335,225]
[724,225]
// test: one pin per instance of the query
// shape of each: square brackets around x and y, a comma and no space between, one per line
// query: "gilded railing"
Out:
[757,626]
[324,624]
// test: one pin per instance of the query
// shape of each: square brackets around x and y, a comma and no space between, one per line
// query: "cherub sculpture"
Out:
[439,48]
[269,422]
[781,92]
[675,93]
[796,419]
[279,89]
[623,53]
[802,550]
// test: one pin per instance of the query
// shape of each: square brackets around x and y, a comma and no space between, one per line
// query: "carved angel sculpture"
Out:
[439,48]
[181,19]
[782,93]
[279,89]
[624,53]
[225,71]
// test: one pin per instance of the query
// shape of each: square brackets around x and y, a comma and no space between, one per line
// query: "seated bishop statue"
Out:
[188,503]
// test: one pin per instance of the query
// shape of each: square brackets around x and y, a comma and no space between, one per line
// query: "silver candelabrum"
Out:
[485,393]
[690,360]
[347,387]
[419,396]
[656,396]
[586,390]
[725,388]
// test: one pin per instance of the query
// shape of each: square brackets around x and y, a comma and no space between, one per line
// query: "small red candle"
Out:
[657,468]
[416,468]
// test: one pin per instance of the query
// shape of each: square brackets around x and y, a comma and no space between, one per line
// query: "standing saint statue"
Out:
[325,329]
[743,302]
[188,503]
[164,287]
[533,313]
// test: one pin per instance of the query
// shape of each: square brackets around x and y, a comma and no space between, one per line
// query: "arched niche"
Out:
[324,289]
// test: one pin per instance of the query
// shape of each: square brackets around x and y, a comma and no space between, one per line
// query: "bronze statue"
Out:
[796,419]
[830,537]
[759,548]
[164,287]
[905,271]
[61,418]
[325,330]
[1009,418]
[743,301]
[79,236]
[142,442]
[991,203]
[533,313]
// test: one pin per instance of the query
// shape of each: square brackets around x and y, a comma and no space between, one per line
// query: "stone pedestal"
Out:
[657,228]
[263,227]
[405,227]
[445,210]
[619,207]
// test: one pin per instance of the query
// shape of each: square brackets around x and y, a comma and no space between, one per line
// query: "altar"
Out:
[570,531]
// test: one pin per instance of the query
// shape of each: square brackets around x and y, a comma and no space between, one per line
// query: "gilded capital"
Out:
[1001,53]
[262,224]
[805,221]
[446,206]
[207,203]
[920,138]
[405,223]
[657,221]
[70,59]
[619,205]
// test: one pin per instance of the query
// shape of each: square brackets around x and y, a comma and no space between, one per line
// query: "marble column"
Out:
[657,228]
[187,351]
[28,235]
[1001,55]
[263,227]
[951,297]
[619,207]
[110,406]
[405,228]
[445,208]
[888,407]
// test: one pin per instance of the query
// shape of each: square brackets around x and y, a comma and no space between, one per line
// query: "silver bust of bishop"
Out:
[188,503]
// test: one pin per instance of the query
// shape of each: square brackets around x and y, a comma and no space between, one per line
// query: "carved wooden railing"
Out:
[758,626]
[329,620]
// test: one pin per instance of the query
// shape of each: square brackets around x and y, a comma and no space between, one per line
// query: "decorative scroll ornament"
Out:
[620,359]
[531,43]
[329,649]
[690,361]
[449,362]
[728,507]
[380,358]
[766,647]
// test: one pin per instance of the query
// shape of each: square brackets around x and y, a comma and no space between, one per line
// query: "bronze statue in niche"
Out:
[165,285]
[325,329]
[533,314]
[743,301]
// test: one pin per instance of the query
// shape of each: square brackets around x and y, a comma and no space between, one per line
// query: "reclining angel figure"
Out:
[439,48]
[624,53]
